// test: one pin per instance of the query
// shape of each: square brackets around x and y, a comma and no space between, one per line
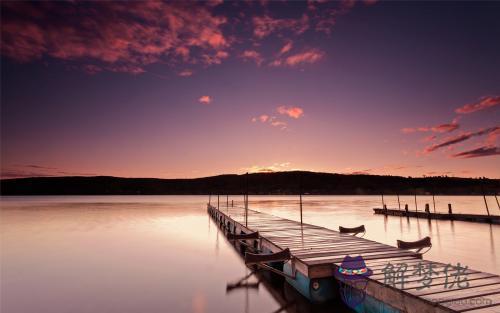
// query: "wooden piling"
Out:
[300,198]
[484,197]
[399,203]
[416,207]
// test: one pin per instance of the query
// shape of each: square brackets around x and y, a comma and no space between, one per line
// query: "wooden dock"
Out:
[317,252]
[478,218]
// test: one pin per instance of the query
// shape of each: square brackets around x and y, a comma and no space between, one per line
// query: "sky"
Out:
[185,89]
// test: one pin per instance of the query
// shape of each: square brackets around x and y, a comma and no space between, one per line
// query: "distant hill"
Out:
[279,183]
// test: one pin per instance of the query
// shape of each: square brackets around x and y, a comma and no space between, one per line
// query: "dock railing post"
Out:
[399,203]
[498,204]
[218,202]
[450,211]
[209,198]
[383,203]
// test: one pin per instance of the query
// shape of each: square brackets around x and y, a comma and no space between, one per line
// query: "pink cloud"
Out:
[252,55]
[442,128]
[263,118]
[482,104]
[310,56]
[185,73]
[460,138]
[130,35]
[266,25]
[291,111]
[478,152]
[287,47]
[205,99]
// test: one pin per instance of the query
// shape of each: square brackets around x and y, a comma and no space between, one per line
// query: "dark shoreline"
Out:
[279,183]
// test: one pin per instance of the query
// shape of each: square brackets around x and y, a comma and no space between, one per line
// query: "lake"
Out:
[164,254]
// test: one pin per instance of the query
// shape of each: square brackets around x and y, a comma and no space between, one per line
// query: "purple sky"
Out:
[152,89]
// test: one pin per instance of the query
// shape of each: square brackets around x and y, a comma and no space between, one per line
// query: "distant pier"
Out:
[477,218]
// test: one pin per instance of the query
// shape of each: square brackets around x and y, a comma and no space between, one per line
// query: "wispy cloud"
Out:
[185,73]
[252,55]
[482,104]
[291,111]
[286,48]
[442,128]
[478,152]
[270,120]
[205,99]
[267,25]
[460,138]
[306,57]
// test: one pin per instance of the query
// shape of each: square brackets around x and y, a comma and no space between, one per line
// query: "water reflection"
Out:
[159,254]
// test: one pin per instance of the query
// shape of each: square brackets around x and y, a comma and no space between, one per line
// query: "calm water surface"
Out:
[163,253]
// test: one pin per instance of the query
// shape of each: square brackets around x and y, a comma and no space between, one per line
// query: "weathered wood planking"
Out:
[317,252]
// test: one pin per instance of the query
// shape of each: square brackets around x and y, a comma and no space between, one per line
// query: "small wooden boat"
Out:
[249,236]
[252,258]
[353,230]
[416,245]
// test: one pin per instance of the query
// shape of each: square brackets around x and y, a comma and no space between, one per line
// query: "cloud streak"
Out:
[442,128]
[478,152]
[460,138]
[482,104]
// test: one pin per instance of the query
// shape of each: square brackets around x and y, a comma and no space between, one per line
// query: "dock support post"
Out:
[433,203]
[383,203]
[450,211]
[484,197]
[416,207]
[246,202]
[399,203]
[497,202]
[300,198]
[218,202]
[486,204]
[209,198]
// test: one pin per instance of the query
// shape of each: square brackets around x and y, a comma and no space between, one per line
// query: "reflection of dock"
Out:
[478,218]
[317,253]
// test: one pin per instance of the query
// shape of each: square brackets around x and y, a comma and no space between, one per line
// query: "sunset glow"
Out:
[184,89]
